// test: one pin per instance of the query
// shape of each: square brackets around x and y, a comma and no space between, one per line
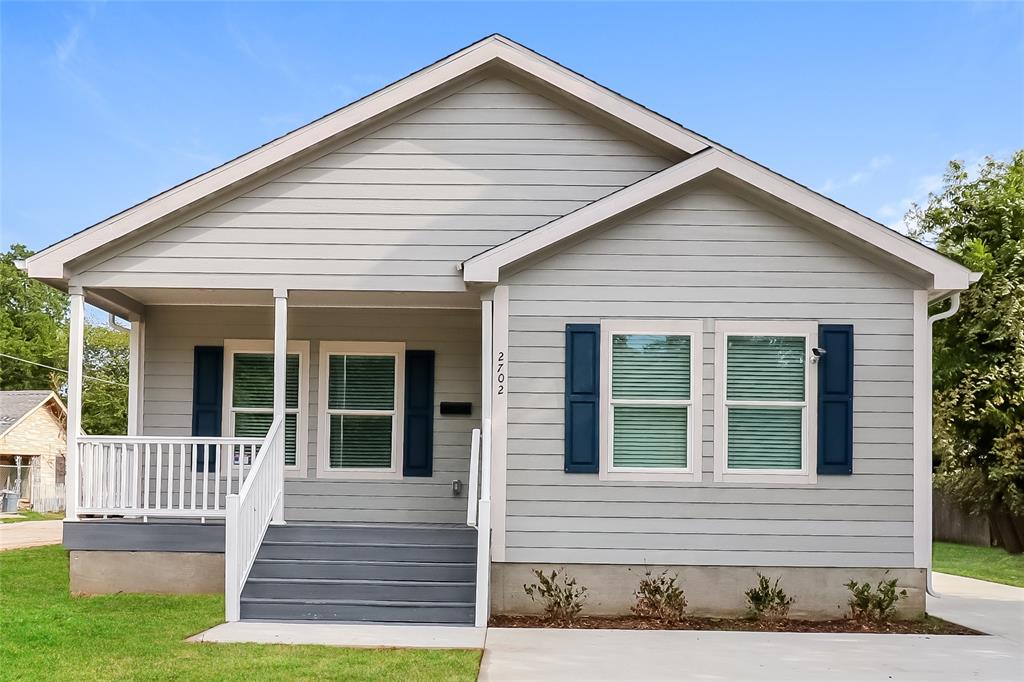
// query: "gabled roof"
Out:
[696,157]
[15,406]
[947,275]
[493,52]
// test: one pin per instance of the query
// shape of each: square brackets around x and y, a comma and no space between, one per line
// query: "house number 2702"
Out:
[499,373]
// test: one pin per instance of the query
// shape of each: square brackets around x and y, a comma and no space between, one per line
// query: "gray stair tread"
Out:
[357,602]
[333,543]
[367,562]
[361,581]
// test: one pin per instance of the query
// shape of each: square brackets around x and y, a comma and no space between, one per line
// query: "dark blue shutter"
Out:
[835,399]
[582,396]
[418,458]
[207,392]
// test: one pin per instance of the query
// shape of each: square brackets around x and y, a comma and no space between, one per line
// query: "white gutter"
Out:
[954,306]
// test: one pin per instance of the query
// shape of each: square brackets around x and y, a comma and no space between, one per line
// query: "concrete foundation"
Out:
[105,572]
[716,591]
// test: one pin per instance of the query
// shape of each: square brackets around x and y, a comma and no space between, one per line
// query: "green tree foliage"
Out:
[34,326]
[978,220]
[105,405]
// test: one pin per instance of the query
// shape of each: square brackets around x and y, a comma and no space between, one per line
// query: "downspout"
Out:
[954,306]
[112,323]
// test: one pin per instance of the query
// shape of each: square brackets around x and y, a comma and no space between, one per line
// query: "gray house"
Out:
[496,317]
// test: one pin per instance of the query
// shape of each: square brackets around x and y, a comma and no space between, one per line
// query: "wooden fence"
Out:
[950,523]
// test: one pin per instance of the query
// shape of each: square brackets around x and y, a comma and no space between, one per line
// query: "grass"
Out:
[984,563]
[29,515]
[47,634]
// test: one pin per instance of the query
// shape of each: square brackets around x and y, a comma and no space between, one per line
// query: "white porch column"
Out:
[76,344]
[136,371]
[280,383]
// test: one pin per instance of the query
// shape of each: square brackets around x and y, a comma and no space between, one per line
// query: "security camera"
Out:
[818,352]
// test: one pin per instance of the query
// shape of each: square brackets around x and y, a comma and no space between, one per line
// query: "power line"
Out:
[58,369]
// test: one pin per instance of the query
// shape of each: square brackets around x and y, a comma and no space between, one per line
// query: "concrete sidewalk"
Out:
[342,634]
[30,534]
[522,655]
[988,607]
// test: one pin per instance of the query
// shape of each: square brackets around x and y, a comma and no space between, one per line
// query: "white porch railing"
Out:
[248,514]
[160,477]
[478,516]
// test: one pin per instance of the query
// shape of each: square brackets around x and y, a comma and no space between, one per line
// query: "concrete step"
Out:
[355,570]
[367,551]
[388,590]
[372,611]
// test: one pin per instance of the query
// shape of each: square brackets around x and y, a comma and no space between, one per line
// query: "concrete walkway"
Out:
[527,655]
[522,655]
[988,607]
[339,634]
[30,534]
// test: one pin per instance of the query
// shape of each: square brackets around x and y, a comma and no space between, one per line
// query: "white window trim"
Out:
[807,475]
[329,348]
[300,348]
[695,330]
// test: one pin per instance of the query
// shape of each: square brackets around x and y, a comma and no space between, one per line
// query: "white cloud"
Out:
[894,213]
[858,177]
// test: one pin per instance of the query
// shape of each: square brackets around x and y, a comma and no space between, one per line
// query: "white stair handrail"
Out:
[474,479]
[249,514]
[483,530]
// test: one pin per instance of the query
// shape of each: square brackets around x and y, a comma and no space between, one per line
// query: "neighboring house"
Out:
[675,356]
[32,427]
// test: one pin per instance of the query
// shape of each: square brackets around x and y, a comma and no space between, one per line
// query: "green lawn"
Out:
[983,563]
[46,634]
[29,515]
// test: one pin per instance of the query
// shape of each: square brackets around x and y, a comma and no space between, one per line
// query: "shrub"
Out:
[659,597]
[877,604]
[562,598]
[768,601]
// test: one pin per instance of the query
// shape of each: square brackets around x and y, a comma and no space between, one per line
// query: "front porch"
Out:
[300,436]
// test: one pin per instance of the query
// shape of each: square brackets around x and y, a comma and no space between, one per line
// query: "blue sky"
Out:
[107,104]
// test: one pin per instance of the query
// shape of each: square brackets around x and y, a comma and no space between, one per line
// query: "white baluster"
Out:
[159,474]
[181,477]
[195,464]
[135,475]
[216,476]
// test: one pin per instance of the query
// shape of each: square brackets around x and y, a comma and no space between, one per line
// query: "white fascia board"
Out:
[486,267]
[947,274]
[50,263]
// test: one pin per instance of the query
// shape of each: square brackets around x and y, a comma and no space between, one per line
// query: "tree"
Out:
[105,393]
[979,353]
[34,327]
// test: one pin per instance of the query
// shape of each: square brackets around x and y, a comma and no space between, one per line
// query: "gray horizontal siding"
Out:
[173,332]
[710,255]
[398,209]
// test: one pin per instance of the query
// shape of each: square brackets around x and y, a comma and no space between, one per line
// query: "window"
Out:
[650,392]
[765,399]
[249,394]
[361,400]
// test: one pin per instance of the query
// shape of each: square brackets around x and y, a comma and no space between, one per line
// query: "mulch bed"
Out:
[929,625]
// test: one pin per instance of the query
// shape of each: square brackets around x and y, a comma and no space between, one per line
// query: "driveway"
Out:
[521,655]
[30,534]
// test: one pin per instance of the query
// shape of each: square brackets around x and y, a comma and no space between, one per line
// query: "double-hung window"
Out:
[651,387]
[765,402]
[361,400]
[249,394]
